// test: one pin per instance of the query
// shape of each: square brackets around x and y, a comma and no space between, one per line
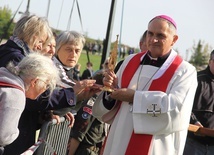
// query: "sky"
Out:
[194,18]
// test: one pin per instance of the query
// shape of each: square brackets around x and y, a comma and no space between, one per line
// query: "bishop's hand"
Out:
[123,94]
[110,81]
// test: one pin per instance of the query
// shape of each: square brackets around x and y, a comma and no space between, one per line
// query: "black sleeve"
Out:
[118,66]
[60,98]
[86,74]
[108,104]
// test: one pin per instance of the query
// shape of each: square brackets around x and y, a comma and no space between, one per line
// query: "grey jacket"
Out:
[12,103]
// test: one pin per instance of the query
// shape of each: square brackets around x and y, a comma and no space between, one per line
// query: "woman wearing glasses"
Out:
[30,78]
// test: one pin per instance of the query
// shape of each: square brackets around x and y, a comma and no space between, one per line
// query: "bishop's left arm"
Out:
[157,112]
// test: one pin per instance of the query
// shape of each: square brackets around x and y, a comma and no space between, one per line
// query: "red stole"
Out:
[139,144]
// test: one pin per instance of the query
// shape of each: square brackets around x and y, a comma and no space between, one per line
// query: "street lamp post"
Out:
[49,2]
[121,27]
[107,41]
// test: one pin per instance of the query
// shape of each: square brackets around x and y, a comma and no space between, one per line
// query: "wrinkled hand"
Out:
[110,79]
[123,94]
[81,85]
[57,117]
[85,89]
[69,116]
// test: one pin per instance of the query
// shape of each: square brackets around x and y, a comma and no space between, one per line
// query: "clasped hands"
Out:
[123,94]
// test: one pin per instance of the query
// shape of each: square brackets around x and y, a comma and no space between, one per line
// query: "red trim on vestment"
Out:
[130,69]
[163,81]
[125,80]
[139,144]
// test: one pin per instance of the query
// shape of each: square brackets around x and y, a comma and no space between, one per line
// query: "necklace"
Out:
[138,78]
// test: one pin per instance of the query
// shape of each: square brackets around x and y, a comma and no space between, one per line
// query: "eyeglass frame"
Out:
[47,84]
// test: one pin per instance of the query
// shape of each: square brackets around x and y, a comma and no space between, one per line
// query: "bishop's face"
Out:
[69,54]
[160,37]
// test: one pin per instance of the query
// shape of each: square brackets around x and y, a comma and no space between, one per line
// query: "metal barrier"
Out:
[55,137]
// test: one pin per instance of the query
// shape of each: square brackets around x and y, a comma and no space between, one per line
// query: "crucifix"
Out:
[154,111]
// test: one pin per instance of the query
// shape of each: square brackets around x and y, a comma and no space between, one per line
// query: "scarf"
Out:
[21,44]
[65,80]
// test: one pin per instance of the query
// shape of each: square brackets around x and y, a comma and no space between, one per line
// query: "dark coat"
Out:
[28,124]
[86,74]
[203,106]
[87,129]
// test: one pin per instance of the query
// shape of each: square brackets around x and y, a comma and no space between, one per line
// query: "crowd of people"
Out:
[156,94]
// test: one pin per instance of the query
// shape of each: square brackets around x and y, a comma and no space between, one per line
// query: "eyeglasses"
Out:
[47,85]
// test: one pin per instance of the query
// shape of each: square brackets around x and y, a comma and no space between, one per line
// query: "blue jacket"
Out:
[28,123]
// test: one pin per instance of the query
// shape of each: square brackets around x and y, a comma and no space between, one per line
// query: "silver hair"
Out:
[171,26]
[69,37]
[35,65]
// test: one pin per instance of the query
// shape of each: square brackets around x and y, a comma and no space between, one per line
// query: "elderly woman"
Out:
[69,45]
[30,78]
[49,47]
[30,34]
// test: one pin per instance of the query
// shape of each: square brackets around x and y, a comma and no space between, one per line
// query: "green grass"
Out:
[95,59]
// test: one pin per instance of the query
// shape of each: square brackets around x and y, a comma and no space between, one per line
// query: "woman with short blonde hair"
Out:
[31,28]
